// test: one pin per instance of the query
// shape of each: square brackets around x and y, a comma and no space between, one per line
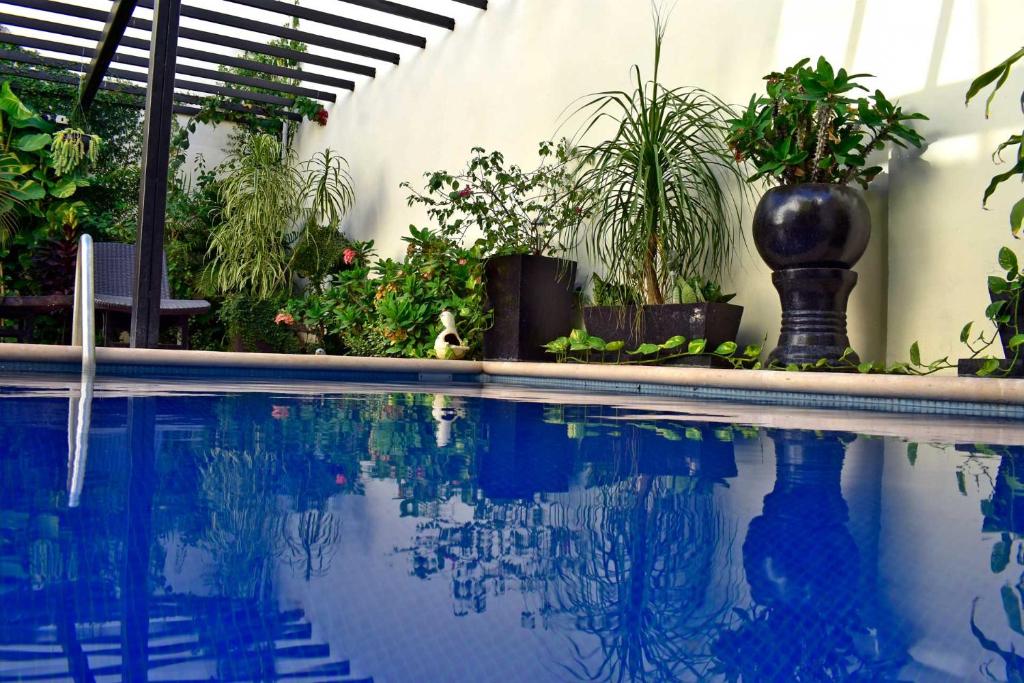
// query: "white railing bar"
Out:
[83,333]
[83,320]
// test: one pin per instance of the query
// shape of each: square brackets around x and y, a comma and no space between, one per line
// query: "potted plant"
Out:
[811,134]
[1006,310]
[278,214]
[662,208]
[518,218]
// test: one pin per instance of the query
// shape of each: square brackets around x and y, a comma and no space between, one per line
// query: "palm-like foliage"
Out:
[663,204]
[273,204]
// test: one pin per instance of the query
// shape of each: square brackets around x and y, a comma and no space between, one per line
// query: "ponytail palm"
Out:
[663,183]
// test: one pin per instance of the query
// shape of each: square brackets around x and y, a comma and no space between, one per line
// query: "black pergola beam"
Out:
[334,21]
[113,31]
[187,52]
[139,77]
[187,33]
[286,32]
[71,80]
[156,146]
[405,12]
[479,4]
[187,69]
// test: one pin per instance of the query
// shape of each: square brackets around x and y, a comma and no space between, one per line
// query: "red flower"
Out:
[349,255]
[466,191]
[340,479]
[285,318]
[462,261]
[321,117]
[279,412]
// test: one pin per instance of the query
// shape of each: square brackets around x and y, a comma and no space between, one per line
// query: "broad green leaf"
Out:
[30,190]
[1011,607]
[1017,217]
[915,354]
[696,346]
[1000,555]
[865,367]
[912,453]
[673,342]
[32,142]
[726,348]
[988,367]
[614,345]
[596,343]
[752,351]
[1008,259]
[64,188]
[693,434]
[645,350]
[1016,340]
[993,309]
[965,333]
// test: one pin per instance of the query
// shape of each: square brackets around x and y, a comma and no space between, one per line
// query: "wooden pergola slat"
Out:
[113,31]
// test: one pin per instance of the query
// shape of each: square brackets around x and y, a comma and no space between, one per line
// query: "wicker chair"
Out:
[115,274]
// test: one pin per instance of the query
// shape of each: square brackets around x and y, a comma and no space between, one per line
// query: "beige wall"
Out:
[503,79]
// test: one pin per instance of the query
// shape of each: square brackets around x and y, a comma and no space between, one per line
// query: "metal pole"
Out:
[149,245]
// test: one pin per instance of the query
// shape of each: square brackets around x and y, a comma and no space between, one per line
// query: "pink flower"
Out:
[462,262]
[349,255]
[285,318]
[466,191]
[279,412]
[340,479]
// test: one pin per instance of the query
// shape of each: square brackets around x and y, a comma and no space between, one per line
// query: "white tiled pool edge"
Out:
[695,382]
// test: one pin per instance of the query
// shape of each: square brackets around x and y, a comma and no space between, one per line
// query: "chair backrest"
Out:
[115,270]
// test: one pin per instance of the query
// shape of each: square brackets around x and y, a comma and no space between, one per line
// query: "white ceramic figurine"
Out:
[449,344]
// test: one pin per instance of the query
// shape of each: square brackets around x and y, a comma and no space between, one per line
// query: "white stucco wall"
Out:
[505,76]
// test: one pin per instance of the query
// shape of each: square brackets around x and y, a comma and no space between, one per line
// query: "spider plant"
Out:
[275,208]
[663,199]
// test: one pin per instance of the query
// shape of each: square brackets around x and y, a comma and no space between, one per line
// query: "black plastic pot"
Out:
[811,235]
[532,299]
[716,323]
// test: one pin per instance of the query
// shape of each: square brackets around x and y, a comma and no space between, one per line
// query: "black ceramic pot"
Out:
[811,235]
[714,322]
[532,298]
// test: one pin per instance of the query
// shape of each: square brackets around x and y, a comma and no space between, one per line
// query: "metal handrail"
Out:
[83,319]
[83,334]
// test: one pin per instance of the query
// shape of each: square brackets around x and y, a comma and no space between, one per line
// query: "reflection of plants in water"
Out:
[646,579]
[313,541]
[242,535]
[1004,514]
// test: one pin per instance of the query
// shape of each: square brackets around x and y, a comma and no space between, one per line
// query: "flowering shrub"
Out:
[392,308]
[514,211]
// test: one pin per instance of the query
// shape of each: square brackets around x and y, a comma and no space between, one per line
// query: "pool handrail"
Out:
[83,321]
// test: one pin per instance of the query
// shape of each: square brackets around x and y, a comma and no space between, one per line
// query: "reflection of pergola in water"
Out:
[190,639]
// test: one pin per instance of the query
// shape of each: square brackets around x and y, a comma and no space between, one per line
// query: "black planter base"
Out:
[968,367]
[813,314]
[714,322]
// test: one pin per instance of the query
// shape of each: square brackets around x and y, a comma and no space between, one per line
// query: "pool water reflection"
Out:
[419,537]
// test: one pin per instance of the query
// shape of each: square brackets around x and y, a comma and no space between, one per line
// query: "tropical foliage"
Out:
[661,202]
[388,307]
[812,125]
[276,212]
[997,76]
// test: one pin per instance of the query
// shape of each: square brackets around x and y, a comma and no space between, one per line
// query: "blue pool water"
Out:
[422,537]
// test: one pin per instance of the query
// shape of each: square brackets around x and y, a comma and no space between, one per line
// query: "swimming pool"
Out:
[415,533]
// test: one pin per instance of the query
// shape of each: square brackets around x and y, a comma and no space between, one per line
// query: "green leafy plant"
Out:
[251,324]
[1005,313]
[514,211]
[811,126]
[384,307]
[662,204]
[697,290]
[996,77]
[274,210]
[580,347]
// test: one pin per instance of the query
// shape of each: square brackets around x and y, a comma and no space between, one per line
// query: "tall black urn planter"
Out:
[811,235]
[532,300]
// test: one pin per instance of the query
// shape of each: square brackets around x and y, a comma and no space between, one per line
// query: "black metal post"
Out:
[156,143]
